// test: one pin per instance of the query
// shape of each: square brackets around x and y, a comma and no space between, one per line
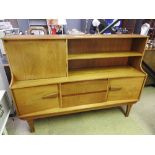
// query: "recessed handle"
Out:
[1,113]
[114,88]
[53,95]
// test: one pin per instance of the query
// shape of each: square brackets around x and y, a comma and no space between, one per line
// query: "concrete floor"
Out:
[108,121]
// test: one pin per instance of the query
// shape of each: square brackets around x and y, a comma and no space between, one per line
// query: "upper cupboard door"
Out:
[35,59]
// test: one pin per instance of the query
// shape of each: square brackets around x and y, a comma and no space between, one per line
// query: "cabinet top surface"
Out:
[85,36]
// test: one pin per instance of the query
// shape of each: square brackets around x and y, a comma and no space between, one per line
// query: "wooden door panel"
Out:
[35,99]
[35,59]
[125,88]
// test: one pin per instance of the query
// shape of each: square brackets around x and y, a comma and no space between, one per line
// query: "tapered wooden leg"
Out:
[31,125]
[128,108]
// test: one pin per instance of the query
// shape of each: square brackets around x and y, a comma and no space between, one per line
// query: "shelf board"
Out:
[102,55]
[106,72]
[83,36]
[84,74]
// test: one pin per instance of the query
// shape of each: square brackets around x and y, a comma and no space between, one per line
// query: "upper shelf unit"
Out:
[43,60]
[105,48]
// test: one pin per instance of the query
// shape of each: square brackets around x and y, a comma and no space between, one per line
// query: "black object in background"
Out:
[103,27]
[103,24]
[138,25]
[109,27]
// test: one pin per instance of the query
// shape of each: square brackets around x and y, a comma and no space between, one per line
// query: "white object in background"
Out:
[75,32]
[118,23]
[96,22]
[4,85]
[4,111]
[145,29]
[62,22]
[1,46]
[5,25]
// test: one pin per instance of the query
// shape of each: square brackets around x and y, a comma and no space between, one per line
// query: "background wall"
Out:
[74,24]
[23,24]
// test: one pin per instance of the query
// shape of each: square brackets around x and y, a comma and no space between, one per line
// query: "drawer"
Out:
[83,99]
[84,87]
[125,88]
[35,99]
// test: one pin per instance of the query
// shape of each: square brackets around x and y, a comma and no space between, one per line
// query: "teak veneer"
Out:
[57,75]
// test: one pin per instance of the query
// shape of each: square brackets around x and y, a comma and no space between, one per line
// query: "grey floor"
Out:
[108,121]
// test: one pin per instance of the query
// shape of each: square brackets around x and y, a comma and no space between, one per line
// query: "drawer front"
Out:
[83,99]
[35,99]
[84,87]
[125,88]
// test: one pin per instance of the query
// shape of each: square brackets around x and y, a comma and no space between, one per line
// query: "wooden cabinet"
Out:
[55,75]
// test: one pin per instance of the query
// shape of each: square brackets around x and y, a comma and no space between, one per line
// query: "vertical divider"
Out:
[67,57]
[60,95]
[108,87]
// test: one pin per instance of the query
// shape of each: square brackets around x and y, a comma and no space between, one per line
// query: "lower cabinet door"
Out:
[125,88]
[33,99]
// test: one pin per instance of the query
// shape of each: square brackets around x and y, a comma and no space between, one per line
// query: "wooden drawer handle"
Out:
[84,93]
[54,95]
[115,88]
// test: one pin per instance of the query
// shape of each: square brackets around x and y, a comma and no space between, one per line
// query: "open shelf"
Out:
[84,74]
[78,56]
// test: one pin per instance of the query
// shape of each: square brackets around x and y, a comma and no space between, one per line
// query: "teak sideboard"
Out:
[57,75]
